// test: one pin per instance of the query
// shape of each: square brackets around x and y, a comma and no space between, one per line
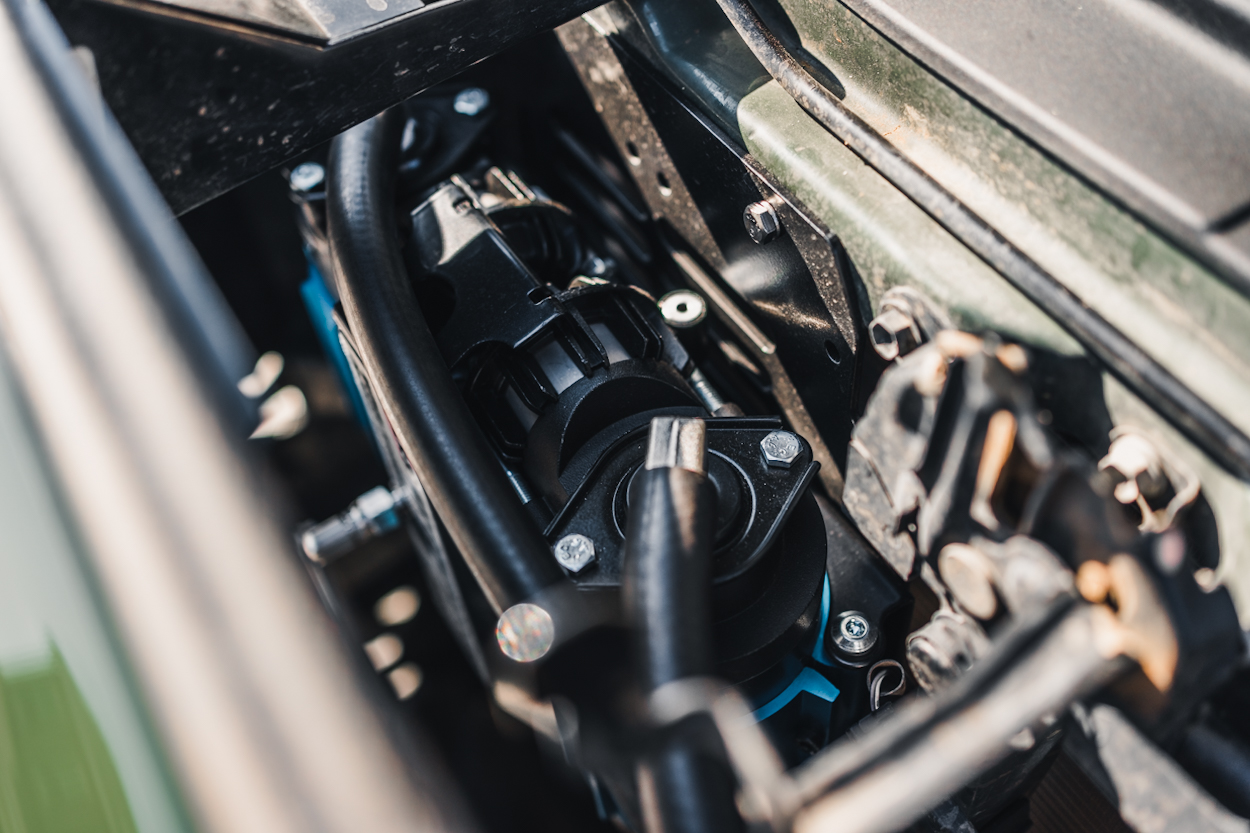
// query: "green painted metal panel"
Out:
[77,752]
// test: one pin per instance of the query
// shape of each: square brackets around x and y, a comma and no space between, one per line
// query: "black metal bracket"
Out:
[210,103]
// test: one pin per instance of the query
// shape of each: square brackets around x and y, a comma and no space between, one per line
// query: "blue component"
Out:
[820,653]
[809,680]
[320,305]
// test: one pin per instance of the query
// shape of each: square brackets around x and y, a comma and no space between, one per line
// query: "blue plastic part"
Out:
[820,653]
[809,680]
[387,521]
[320,305]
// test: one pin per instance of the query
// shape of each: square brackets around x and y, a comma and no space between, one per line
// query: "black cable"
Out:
[1179,405]
[668,597]
[428,414]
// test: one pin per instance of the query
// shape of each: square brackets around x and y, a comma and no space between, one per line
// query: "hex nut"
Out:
[471,101]
[781,449]
[761,221]
[574,552]
[894,334]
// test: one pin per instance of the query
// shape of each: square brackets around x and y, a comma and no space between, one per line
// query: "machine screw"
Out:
[894,334]
[307,176]
[853,636]
[682,308]
[760,219]
[471,101]
[855,627]
[781,449]
[574,552]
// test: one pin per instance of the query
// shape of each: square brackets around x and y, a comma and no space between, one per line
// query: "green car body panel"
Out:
[77,752]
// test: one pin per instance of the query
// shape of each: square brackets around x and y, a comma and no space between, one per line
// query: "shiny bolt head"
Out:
[306,176]
[853,636]
[855,627]
[682,308]
[781,449]
[894,334]
[471,101]
[574,552]
[760,219]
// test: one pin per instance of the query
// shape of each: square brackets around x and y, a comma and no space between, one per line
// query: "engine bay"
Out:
[653,508]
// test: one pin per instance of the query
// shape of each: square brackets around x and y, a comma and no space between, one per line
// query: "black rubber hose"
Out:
[1192,416]
[668,582]
[1220,763]
[668,597]
[449,453]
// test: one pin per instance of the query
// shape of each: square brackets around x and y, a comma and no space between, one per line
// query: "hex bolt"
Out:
[781,449]
[306,176]
[760,219]
[471,101]
[574,552]
[853,635]
[682,308]
[894,334]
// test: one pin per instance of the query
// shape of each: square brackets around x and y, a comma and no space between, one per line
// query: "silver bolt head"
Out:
[854,627]
[853,635]
[574,552]
[307,176]
[682,308]
[761,221]
[471,101]
[893,334]
[781,449]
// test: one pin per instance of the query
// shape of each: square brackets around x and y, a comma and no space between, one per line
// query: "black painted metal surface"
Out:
[800,320]
[208,107]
